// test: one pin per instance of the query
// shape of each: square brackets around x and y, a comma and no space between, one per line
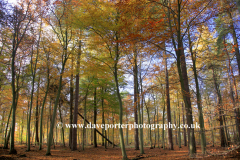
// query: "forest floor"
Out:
[115,153]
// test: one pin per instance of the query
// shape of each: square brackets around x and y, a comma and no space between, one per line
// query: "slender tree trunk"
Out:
[43,104]
[14,105]
[55,107]
[105,143]
[75,113]
[27,122]
[135,71]
[95,118]
[33,70]
[49,118]
[113,131]
[71,107]
[84,130]
[154,123]
[117,54]
[8,137]
[219,106]
[31,103]
[163,121]
[36,114]
[60,115]
[179,129]
[6,132]
[199,100]
[126,129]
[92,132]
[56,134]
[184,129]
[140,114]
[108,133]
[176,138]
[170,140]
[212,135]
[158,128]
[3,119]
[149,122]
[79,137]
[22,126]
[226,130]
[102,117]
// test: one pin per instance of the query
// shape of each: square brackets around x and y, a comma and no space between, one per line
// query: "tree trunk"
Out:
[154,123]
[85,114]
[126,129]
[149,122]
[6,132]
[113,131]
[3,119]
[14,105]
[31,103]
[158,128]
[33,71]
[75,113]
[199,99]
[55,107]
[176,133]
[135,71]
[27,122]
[140,114]
[43,104]
[95,118]
[234,96]
[163,121]
[179,129]
[170,140]
[60,115]
[71,107]
[117,54]
[7,138]
[219,106]
[36,114]
[103,122]
[183,76]
[184,129]
[22,126]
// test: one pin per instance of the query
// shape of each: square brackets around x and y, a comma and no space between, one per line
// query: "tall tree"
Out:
[136,95]
[219,106]
[75,112]
[170,140]
[199,101]
[21,20]
[64,34]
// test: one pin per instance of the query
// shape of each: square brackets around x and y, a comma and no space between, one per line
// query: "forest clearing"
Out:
[119,79]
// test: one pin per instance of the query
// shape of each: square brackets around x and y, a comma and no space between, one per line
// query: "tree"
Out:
[170,140]
[62,31]
[20,22]
[75,112]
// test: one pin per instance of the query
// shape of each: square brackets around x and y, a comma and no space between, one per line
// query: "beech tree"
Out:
[20,22]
